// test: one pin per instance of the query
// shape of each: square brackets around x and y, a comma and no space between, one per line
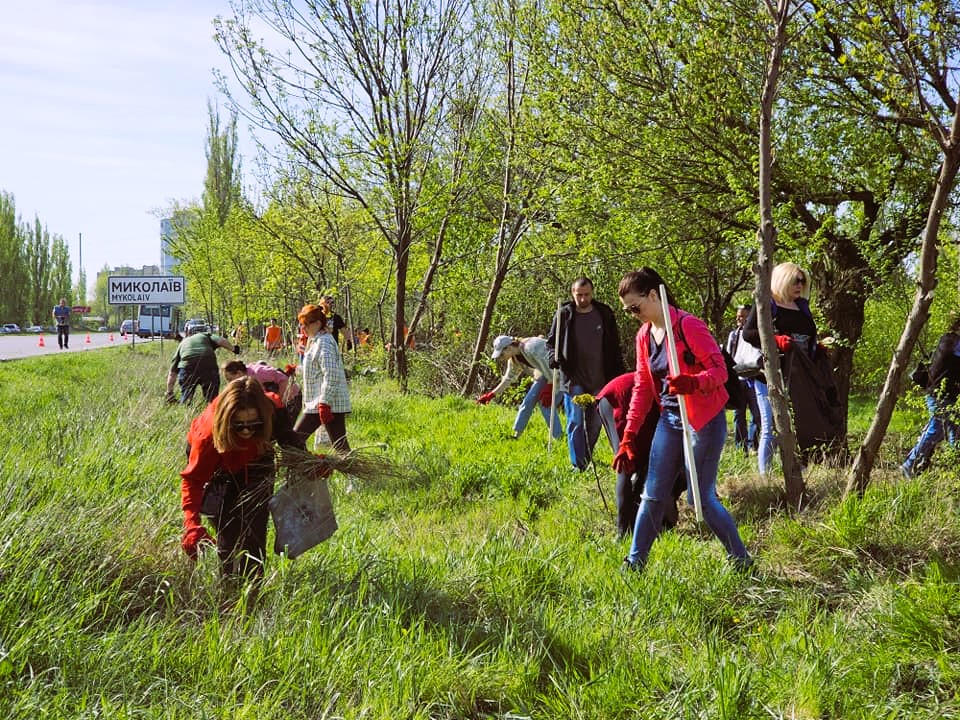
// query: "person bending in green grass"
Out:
[230,474]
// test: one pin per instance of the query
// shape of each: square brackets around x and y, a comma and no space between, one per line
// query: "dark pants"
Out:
[241,522]
[747,437]
[207,378]
[63,335]
[308,423]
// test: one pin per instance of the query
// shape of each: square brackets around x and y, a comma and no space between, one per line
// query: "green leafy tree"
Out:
[357,94]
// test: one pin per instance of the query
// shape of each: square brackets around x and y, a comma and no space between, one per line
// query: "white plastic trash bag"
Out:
[303,516]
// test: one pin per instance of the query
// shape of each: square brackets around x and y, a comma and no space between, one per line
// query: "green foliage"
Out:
[485,584]
[34,268]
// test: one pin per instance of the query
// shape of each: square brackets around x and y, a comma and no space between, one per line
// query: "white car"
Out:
[35,329]
[11,328]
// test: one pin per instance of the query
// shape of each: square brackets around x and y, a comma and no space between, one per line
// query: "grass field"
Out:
[486,584]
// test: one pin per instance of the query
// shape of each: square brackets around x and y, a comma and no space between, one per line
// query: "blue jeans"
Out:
[941,425]
[768,441]
[745,435]
[666,459]
[531,401]
[583,428]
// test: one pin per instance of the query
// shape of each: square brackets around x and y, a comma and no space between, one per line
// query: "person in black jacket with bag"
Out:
[943,388]
[584,344]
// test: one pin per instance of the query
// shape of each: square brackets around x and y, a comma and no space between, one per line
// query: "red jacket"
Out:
[708,366]
[205,460]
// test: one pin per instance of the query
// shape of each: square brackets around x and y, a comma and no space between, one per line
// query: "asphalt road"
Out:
[13,347]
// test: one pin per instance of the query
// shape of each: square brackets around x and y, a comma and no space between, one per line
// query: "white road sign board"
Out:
[146,290]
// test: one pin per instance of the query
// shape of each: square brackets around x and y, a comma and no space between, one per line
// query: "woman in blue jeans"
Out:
[701,377]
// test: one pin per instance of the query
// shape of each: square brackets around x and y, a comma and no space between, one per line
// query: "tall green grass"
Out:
[486,584]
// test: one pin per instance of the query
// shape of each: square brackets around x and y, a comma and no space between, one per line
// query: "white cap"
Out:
[501,343]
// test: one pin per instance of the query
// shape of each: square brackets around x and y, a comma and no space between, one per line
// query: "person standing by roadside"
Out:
[746,437]
[326,397]
[584,344]
[61,316]
[701,377]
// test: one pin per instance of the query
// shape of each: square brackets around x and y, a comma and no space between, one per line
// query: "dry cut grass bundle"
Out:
[362,465]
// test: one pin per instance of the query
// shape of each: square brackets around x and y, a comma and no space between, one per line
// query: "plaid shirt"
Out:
[323,378]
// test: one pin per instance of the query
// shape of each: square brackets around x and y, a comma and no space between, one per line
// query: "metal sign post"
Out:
[682,400]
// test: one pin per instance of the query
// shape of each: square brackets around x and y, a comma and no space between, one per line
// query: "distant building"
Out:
[169,230]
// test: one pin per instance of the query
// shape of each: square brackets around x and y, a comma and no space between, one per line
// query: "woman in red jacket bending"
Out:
[230,473]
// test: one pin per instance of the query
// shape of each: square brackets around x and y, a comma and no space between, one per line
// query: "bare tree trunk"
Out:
[793,478]
[859,476]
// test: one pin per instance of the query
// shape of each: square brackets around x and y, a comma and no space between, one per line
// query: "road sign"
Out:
[146,289]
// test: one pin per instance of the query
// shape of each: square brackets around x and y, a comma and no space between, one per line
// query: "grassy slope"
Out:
[486,585]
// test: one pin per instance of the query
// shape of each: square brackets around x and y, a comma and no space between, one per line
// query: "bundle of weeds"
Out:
[365,466]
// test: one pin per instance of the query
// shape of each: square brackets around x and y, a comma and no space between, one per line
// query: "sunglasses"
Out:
[632,309]
[799,281]
[247,426]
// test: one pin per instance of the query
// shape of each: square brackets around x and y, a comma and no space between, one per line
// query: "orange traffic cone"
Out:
[110,339]
[87,341]
[41,344]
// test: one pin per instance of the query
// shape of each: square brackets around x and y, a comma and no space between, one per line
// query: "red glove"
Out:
[626,459]
[193,537]
[326,414]
[486,397]
[289,370]
[546,395]
[784,342]
[682,384]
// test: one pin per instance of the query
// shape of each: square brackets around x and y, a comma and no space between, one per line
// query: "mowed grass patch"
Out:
[485,583]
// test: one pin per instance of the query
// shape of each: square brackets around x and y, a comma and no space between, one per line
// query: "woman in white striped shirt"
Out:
[326,397]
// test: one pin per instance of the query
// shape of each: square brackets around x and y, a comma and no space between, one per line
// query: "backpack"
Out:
[735,396]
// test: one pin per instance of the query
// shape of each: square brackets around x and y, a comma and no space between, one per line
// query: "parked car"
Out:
[102,328]
[35,329]
[195,325]
[11,328]
[127,327]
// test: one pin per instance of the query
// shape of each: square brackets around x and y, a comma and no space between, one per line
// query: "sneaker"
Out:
[628,566]
[906,472]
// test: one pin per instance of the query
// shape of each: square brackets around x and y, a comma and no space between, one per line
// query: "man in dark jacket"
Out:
[943,389]
[584,344]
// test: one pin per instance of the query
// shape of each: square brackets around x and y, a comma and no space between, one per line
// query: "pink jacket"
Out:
[708,366]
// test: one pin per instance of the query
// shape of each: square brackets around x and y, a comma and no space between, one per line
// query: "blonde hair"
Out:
[241,394]
[781,280]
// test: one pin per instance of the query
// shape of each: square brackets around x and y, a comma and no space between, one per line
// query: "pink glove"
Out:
[682,384]
[486,397]
[192,539]
[784,342]
[326,414]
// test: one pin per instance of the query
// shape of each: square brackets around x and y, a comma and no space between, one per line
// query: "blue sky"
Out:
[103,116]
